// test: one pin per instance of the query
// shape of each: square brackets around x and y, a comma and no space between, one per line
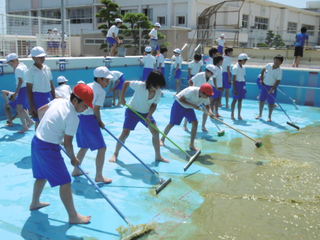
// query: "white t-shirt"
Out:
[176,60]
[240,72]
[20,72]
[149,61]
[195,67]
[56,36]
[200,78]
[39,78]
[60,119]
[221,42]
[191,94]
[116,75]
[160,60]
[139,100]
[153,34]
[98,99]
[272,75]
[227,62]
[218,76]
[63,91]
[114,29]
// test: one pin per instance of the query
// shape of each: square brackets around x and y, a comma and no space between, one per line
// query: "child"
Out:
[197,81]
[218,85]
[227,76]
[118,79]
[271,76]
[145,99]
[194,66]
[89,134]
[149,63]
[9,105]
[153,34]
[20,95]
[221,42]
[56,37]
[177,64]
[186,100]
[112,36]
[160,60]
[239,84]
[63,90]
[59,123]
[301,38]
[212,54]
[40,86]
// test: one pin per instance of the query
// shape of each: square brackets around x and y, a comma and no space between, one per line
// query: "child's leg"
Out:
[166,131]
[261,105]
[80,155]
[125,133]
[22,117]
[118,96]
[37,190]
[156,145]
[204,120]
[233,105]
[67,199]
[227,97]
[178,85]
[114,97]
[185,124]
[271,107]
[99,166]
[239,109]
[193,135]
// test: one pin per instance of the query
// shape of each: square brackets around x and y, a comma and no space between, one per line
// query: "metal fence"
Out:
[21,33]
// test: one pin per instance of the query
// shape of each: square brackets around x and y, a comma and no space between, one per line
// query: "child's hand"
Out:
[75,162]
[101,124]
[123,101]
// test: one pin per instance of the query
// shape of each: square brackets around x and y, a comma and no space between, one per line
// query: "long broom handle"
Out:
[98,189]
[283,93]
[157,129]
[133,154]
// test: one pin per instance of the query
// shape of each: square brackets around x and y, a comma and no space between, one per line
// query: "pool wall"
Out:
[303,85]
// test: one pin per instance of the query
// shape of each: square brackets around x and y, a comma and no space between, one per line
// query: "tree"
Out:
[277,41]
[269,38]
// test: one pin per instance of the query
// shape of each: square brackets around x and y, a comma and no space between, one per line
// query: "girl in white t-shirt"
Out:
[145,99]
[227,76]
[177,65]
[153,34]
[149,63]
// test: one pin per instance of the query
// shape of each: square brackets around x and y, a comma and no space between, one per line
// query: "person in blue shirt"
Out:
[301,39]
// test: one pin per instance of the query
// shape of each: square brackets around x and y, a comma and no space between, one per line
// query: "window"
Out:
[80,15]
[310,29]
[245,21]
[53,13]
[261,23]
[148,12]
[161,20]
[181,20]
[292,27]
[94,41]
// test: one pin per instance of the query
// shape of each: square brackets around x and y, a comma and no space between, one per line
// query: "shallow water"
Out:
[267,193]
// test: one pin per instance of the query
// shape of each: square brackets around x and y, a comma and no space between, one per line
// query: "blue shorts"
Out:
[120,83]
[89,134]
[48,163]
[220,49]
[131,119]
[111,41]
[146,73]
[40,99]
[226,80]
[178,112]
[55,44]
[178,74]
[49,44]
[22,98]
[13,103]
[241,88]
[265,95]
[154,45]
[217,93]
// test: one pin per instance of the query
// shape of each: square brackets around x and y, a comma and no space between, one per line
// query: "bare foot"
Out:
[269,120]
[79,219]
[113,158]
[240,118]
[161,159]
[204,129]
[258,117]
[161,142]
[186,128]
[29,124]
[218,115]
[232,117]
[193,148]
[103,180]
[76,173]
[23,130]
[9,124]
[227,106]
[38,206]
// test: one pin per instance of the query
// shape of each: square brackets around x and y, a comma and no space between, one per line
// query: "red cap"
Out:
[85,93]
[207,89]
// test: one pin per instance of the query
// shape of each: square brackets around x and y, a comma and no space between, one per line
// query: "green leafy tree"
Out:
[277,41]
[269,38]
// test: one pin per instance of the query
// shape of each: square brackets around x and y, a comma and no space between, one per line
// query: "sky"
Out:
[294,3]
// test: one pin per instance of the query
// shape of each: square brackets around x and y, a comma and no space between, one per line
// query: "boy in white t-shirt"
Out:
[118,80]
[177,65]
[146,97]
[217,84]
[112,36]
[239,84]
[20,95]
[89,134]
[63,90]
[153,35]
[149,63]
[195,65]
[270,78]
[221,42]
[59,122]
[227,75]
[186,101]
[160,60]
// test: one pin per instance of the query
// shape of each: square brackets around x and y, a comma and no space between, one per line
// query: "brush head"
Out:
[293,125]
[192,159]
[258,144]
[221,133]
[163,184]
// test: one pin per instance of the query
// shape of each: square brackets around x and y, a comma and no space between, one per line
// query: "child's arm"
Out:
[67,142]
[18,87]
[115,84]
[96,111]
[234,84]
[152,109]
[262,75]
[42,110]
[53,93]
[229,73]
[184,100]
[123,92]
[33,109]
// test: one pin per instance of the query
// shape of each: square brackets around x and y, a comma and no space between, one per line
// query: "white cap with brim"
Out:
[148,49]
[38,52]
[118,20]
[157,25]
[61,79]
[177,50]
[102,72]
[210,67]
[11,56]
[243,56]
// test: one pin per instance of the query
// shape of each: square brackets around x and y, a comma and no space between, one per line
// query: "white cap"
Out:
[243,56]
[222,35]
[210,67]
[55,30]
[11,56]
[61,79]
[148,49]
[157,25]
[102,72]
[177,50]
[81,81]
[118,20]
[38,52]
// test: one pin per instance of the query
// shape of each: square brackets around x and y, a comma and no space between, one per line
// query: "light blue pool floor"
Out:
[132,189]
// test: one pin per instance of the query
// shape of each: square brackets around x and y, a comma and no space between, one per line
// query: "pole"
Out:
[62,28]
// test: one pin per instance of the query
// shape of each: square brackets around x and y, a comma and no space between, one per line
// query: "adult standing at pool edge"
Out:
[301,38]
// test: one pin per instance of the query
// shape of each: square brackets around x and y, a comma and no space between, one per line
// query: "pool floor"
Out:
[132,190]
